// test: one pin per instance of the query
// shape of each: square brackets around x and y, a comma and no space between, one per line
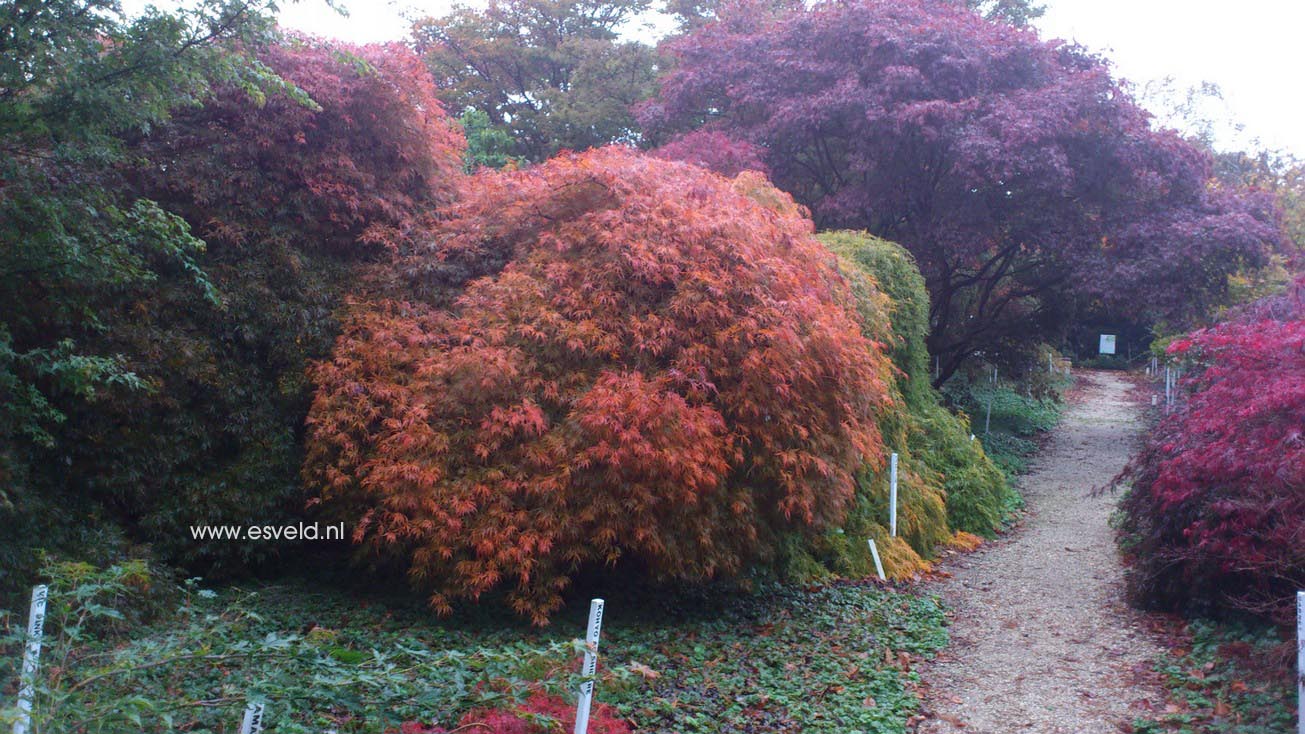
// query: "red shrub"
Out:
[715,151]
[662,370]
[1218,504]
[369,146]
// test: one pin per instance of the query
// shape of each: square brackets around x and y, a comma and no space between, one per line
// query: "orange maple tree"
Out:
[648,363]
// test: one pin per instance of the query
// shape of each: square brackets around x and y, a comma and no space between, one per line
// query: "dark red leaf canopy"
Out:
[1019,172]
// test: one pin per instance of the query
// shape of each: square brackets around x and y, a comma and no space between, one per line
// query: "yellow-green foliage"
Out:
[945,482]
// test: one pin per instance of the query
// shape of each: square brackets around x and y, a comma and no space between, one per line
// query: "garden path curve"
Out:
[1042,640]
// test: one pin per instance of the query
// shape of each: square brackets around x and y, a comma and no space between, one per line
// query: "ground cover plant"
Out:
[1008,416]
[1224,679]
[128,649]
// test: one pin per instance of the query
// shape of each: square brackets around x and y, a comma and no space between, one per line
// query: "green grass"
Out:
[126,650]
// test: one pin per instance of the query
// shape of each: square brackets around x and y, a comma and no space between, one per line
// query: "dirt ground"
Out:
[1042,640]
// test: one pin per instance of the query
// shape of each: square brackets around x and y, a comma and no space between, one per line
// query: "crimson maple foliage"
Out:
[522,719]
[353,163]
[716,151]
[1023,178]
[649,366]
[1217,508]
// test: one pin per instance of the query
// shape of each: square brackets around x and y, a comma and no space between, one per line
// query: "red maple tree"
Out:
[1029,186]
[349,151]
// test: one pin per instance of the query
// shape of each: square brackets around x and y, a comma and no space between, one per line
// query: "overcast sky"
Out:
[1251,49]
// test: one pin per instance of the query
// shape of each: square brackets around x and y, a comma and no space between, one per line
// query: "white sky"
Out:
[1250,48]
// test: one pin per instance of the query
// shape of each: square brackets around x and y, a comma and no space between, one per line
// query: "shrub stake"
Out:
[879,565]
[892,496]
[31,656]
[590,666]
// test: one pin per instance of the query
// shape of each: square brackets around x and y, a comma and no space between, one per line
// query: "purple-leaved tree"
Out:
[1026,181]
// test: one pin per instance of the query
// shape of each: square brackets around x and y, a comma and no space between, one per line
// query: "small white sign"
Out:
[879,565]
[31,656]
[253,721]
[590,667]
[1107,344]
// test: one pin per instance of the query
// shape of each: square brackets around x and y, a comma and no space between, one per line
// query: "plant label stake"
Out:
[879,565]
[590,666]
[253,721]
[31,656]
[892,496]
[1300,661]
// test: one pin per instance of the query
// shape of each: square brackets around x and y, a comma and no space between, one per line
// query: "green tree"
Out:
[550,74]
[78,80]
[1015,12]
[1283,176]
[487,145]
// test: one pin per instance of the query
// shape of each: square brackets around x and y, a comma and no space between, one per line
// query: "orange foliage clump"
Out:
[646,365]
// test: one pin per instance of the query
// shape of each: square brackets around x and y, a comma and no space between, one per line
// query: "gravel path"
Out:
[1042,640]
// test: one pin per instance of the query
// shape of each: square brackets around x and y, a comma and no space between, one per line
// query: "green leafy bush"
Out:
[298,187]
[79,247]
[945,482]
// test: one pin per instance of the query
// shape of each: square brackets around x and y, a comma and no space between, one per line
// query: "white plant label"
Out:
[879,565]
[31,657]
[1300,661]
[892,496]
[253,721]
[590,666]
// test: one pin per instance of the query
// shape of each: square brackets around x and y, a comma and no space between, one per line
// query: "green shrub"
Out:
[295,199]
[946,482]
